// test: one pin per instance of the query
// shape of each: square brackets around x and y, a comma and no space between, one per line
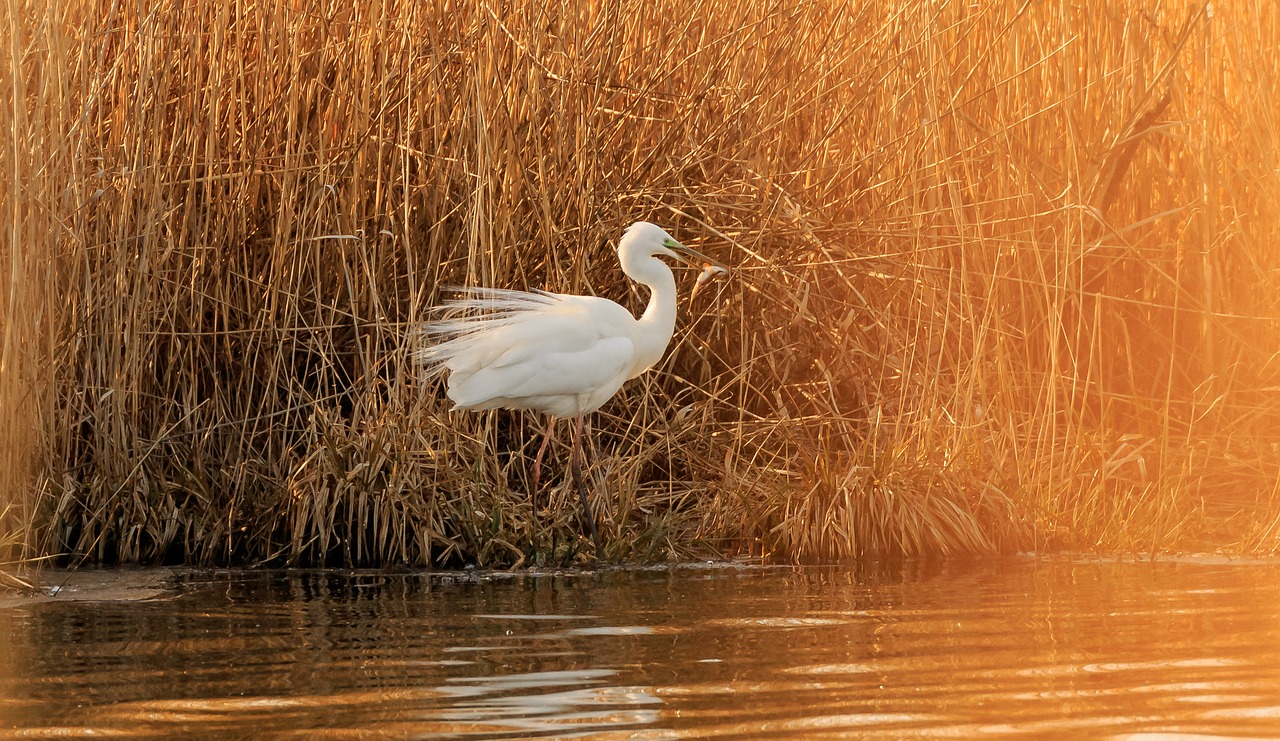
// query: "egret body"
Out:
[559,354]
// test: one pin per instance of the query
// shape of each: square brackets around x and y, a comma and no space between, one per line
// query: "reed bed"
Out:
[1007,277]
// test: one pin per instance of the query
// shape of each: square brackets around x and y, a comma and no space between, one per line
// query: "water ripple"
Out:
[1021,649]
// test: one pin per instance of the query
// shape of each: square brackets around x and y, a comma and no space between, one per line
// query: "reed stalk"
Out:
[1007,278]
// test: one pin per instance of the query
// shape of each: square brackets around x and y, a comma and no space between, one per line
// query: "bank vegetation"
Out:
[1007,276]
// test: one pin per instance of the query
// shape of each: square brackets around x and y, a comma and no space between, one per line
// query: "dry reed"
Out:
[1007,276]
[34,103]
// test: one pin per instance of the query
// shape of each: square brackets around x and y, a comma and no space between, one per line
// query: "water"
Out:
[1019,648]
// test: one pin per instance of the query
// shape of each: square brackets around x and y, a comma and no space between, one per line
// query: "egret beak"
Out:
[694,257]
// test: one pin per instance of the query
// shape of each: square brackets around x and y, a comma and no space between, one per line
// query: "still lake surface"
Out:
[1031,648]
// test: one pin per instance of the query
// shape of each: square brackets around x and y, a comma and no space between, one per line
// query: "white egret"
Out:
[559,354]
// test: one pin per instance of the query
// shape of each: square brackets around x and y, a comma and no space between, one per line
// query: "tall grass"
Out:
[1007,276]
[33,104]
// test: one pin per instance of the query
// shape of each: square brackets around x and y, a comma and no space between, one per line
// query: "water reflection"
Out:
[1022,648]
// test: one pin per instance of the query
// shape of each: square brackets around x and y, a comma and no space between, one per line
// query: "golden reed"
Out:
[1007,277]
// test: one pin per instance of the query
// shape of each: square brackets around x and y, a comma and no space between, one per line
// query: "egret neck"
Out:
[658,322]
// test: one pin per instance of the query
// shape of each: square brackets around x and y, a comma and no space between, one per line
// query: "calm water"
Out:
[1021,648]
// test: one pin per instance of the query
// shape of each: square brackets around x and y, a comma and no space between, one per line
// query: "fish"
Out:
[709,273]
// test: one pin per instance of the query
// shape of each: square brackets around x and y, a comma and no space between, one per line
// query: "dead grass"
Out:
[33,104]
[1007,277]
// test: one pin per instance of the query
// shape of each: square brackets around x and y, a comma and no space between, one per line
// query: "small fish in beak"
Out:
[709,273]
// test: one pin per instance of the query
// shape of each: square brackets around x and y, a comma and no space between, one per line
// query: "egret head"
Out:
[643,239]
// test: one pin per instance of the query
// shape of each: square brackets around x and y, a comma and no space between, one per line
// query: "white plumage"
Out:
[553,353]
[556,353]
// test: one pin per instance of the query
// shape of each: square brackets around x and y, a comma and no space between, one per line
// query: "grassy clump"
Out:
[1007,277]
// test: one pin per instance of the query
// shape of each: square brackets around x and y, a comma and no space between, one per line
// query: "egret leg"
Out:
[576,463]
[537,459]
[537,474]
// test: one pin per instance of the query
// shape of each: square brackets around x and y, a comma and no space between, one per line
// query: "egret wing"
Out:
[564,383]
[512,327]
[556,353]
[573,325]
